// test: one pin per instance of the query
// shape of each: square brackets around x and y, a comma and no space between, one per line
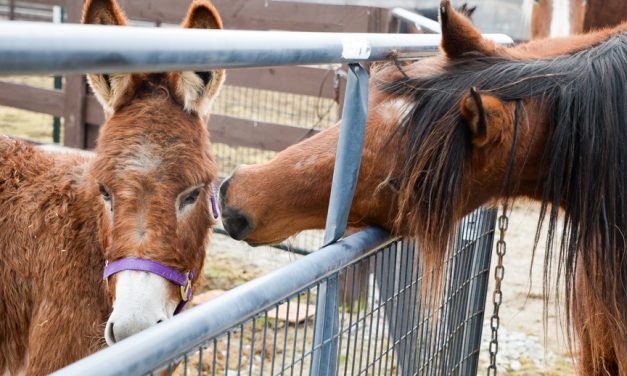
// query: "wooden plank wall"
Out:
[82,113]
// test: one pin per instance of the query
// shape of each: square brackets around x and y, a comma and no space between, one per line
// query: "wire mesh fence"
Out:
[384,322]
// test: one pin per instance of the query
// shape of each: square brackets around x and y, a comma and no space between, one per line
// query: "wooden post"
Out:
[75,92]
[378,19]
[12,10]
[74,112]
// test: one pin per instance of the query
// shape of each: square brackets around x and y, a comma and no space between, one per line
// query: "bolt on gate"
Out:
[294,320]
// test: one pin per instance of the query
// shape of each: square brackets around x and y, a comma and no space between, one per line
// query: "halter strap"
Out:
[184,280]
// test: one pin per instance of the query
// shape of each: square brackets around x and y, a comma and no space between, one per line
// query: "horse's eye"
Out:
[190,198]
[103,191]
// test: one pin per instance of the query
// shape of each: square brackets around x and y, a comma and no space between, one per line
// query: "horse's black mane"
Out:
[585,95]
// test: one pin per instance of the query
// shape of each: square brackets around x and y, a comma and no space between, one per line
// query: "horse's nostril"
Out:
[236,223]
[159,321]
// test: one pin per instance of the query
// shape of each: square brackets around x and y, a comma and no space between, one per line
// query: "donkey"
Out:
[140,206]
[477,124]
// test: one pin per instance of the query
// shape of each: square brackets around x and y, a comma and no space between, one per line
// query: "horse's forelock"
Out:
[585,158]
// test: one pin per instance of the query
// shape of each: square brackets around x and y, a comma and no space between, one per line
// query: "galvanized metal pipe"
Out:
[42,48]
[345,174]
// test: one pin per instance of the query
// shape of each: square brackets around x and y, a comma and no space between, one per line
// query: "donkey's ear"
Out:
[459,36]
[107,87]
[202,15]
[103,12]
[198,89]
[484,115]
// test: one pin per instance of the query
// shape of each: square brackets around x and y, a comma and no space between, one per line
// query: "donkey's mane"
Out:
[584,98]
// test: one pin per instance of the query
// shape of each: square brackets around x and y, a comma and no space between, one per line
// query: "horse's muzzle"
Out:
[236,223]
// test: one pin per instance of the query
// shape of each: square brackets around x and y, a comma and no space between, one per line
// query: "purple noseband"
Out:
[184,280]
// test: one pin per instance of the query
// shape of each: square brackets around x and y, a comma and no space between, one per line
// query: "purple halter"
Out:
[183,280]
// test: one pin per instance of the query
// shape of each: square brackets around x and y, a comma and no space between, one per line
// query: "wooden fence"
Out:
[83,115]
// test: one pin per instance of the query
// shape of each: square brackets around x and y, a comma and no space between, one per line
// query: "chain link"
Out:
[497,296]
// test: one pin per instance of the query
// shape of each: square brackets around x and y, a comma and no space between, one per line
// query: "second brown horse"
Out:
[477,124]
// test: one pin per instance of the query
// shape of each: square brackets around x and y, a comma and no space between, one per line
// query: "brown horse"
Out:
[559,18]
[477,124]
[141,204]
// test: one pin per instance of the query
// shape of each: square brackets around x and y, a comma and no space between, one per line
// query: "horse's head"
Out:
[152,180]
[439,141]
[479,123]
[459,128]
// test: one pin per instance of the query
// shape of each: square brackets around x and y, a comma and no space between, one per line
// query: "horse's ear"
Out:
[484,115]
[107,87]
[198,89]
[459,36]
[467,10]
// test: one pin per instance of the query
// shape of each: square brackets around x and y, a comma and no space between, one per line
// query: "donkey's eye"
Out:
[103,191]
[190,198]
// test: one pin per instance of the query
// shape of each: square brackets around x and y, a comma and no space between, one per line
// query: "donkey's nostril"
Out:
[236,223]
[109,334]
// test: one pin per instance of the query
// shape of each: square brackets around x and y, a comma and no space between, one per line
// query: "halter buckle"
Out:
[187,288]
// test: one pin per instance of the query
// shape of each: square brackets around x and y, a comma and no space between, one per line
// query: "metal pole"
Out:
[345,174]
[57,18]
[348,155]
[36,48]
[11,10]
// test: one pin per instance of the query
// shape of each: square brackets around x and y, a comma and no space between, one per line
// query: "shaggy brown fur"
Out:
[437,148]
[56,231]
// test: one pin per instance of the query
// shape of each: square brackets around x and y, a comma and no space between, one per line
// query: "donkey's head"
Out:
[152,177]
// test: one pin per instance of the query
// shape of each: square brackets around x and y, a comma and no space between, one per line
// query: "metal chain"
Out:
[497,297]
